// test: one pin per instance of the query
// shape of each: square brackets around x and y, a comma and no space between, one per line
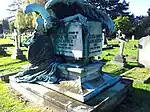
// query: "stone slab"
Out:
[5,77]
[82,91]
[119,60]
[18,54]
[103,102]
[143,52]
[83,82]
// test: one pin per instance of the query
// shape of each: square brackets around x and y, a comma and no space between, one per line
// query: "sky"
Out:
[137,7]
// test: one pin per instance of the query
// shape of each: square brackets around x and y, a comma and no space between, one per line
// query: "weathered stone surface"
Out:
[119,60]
[144,50]
[2,51]
[103,102]
[5,77]
[17,54]
[73,44]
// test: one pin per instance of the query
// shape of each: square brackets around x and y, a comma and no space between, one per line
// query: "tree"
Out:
[124,24]
[42,2]
[148,12]
[143,26]
[23,21]
[5,24]
[14,6]
[114,8]
[11,26]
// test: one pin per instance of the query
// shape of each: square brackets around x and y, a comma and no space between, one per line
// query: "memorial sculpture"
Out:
[67,36]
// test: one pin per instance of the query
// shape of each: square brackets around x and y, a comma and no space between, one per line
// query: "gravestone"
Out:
[133,37]
[120,59]
[104,42]
[63,73]
[143,51]
[17,53]
[2,51]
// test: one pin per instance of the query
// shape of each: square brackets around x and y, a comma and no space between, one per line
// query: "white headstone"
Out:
[144,51]
[133,37]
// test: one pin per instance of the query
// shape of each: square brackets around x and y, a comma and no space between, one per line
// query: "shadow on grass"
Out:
[131,65]
[114,45]
[6,45]
[124,69]
[104,60]
[24,50]
[119,71]
[147,81]
[8,64]
[139,101]
[3,70]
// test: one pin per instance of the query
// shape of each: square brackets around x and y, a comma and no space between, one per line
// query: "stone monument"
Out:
[120,58]
[17,53]
[63,73]
[143,51]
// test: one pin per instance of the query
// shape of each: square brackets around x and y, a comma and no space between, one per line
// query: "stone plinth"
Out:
[2,51]
[143,51]
[119,60]
[105,101]
[83,83]
[17,54]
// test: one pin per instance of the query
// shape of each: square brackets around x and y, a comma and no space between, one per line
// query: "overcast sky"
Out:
[137,7]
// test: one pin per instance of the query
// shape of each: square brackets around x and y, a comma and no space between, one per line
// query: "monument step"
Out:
[102,102]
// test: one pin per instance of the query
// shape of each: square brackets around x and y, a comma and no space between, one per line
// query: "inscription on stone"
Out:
[72,43]
[95,38]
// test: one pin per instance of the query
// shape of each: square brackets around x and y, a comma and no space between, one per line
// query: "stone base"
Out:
[105,101]
[17,54]
[107,47]
[120,60]
[2,51]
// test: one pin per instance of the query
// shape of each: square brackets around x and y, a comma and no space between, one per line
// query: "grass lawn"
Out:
[8,101]
[139,102]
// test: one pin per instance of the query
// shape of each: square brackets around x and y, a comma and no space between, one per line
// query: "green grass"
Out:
[8,65]
[9,103]
[130,53]
[139,102]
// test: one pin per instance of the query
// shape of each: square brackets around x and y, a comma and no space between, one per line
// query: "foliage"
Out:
[23,21]
[14,6]
[124,24]
[11,26]
[148,12]
[114,8]
[142,26]
[42,2]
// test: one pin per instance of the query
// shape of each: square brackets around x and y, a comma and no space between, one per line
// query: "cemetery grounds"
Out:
[137,101]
